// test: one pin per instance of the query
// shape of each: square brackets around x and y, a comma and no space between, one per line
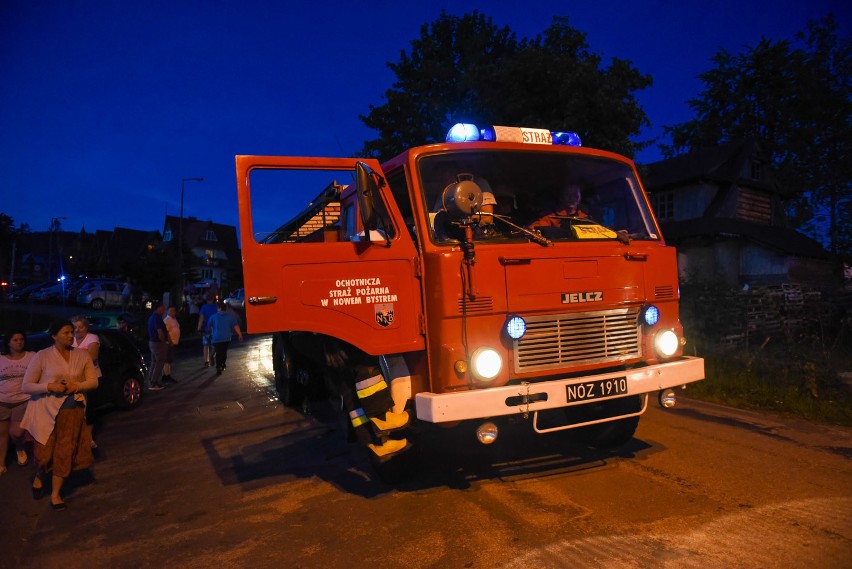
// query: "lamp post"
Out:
[183,182]
[52,229]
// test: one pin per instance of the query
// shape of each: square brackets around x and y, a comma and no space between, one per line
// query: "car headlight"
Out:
[666,343]
[485,364]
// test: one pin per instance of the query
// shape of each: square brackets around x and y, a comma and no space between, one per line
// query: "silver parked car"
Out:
[100,293]
[237,299]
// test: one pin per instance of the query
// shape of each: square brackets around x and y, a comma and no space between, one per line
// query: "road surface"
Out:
[214,472]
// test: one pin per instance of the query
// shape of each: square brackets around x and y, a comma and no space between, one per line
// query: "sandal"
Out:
[23,459]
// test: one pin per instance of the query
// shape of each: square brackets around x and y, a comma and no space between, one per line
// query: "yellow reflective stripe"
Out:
[362,393]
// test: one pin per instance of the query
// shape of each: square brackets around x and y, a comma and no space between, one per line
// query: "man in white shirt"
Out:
[173,333]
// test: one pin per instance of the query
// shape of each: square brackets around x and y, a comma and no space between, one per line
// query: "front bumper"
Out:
[498,401]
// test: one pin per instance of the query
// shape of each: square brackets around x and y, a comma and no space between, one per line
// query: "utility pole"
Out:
[183,181]
[52,229]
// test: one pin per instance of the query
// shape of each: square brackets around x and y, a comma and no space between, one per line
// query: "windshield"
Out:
[561,197]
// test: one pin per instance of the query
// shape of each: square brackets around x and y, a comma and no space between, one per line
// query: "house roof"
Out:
[781,239]
[723,164]
[194,235]
[194,232]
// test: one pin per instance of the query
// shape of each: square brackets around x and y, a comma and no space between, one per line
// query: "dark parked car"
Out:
[23,294]
[137,330]
[122,366]
[52,294]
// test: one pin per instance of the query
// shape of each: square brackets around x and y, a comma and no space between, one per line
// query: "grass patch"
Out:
[779,379]
[777,348]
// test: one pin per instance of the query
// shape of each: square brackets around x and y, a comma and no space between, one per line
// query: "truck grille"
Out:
[557,341]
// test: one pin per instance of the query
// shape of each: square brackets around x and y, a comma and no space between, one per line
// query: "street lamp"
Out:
[183,181]
[51,237]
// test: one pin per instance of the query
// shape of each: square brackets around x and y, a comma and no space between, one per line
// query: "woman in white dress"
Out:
[13,401]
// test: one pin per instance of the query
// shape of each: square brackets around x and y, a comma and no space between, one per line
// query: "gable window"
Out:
[756,170]
[167,234]
[210,235]
[663,203]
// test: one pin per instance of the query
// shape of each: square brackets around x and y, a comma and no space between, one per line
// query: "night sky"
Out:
[105,106]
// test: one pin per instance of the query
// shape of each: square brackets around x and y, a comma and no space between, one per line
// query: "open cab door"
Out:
[344,265]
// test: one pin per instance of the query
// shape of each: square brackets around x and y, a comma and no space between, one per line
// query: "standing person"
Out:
[213,291]
[193,307]
[13,401]
[205,313]
[85,340]
[222,325]
[126,294]
[158,344]
[57,379]
[173,331]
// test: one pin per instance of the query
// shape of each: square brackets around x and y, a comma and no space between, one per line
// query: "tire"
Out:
[286,374]
[98,304]
[612,434]
[129,393]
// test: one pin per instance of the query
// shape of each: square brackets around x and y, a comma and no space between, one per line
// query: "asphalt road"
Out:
[214,472]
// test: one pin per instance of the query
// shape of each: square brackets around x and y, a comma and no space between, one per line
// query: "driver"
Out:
[568,207]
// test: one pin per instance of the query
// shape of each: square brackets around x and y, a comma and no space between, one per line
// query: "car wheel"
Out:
[98,304]
[129,393]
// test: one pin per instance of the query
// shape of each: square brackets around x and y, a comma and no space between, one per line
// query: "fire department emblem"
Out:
[384,314]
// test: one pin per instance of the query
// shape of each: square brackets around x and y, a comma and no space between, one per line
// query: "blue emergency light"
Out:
[467,132]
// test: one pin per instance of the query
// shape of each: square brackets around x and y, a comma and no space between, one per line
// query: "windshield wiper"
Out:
[533,235]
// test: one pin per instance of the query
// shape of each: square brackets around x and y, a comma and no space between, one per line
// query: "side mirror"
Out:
[366,188]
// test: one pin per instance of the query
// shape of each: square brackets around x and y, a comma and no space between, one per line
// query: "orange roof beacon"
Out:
[429,277]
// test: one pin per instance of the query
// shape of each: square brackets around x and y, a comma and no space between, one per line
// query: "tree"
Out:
[9,240]
[468,69]
[796,103]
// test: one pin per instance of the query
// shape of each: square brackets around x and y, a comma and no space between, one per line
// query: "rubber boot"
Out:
[392,421]
[390,448]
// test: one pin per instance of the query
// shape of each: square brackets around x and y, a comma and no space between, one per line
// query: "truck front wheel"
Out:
[612,434]
[286,384]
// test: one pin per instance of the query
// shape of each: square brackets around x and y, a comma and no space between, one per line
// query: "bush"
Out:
[773,348]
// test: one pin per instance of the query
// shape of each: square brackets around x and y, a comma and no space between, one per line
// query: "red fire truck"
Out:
[459,260]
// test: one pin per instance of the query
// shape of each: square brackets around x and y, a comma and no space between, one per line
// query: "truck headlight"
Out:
[666,343]
[485,364]
[516,327]
[651,315]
